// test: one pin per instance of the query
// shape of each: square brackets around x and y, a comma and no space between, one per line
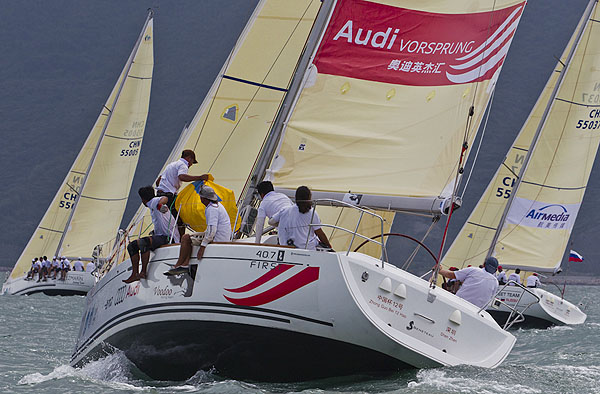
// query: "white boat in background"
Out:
[316,103]
[526,215]
[88,207]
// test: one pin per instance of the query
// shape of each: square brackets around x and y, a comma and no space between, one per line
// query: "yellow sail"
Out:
[99,210]
[233,121]
[540,218]
[385,108]
[387,105]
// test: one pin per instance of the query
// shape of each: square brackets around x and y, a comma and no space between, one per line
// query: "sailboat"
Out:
[88,207]
[527,213]
[367,98]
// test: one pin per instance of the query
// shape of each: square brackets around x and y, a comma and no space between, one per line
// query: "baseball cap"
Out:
[491,264]
[189,153]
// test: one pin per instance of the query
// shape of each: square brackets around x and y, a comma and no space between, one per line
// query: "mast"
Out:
[102,133]
[274,137]
[541,125]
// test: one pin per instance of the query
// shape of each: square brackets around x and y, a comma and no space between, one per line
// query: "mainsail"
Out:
[232,123]
[526,215]
[390,103]
[89,205]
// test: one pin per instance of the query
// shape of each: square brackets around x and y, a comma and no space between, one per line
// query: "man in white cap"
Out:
[218,229]
[168,183]
[479,285]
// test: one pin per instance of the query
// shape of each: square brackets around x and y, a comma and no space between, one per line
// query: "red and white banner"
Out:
[382,43]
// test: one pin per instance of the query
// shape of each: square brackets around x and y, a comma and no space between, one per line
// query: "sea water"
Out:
[38,334]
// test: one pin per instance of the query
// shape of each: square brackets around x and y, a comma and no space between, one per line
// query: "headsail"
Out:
[233,121]
[539,221]
[74,223]
[385,106]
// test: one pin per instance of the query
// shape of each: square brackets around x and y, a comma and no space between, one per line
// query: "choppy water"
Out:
[38,333]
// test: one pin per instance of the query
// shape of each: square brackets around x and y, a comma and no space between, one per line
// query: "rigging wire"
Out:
[464,149]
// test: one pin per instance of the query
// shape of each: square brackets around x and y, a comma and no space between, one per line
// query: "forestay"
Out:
[539,221]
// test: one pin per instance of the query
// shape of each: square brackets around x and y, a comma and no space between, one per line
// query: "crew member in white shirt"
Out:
[169,181]
[45,268]
[294,223]
[66,266]
[163,227]
[33,270]
[479,285]
[218,229]
[515,276]
[90,267]
[533,280]
[272,202]
[78,265]
[501,276]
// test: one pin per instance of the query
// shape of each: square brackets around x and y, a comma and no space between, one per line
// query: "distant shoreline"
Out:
[573,280]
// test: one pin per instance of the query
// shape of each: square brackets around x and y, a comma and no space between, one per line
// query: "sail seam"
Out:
[262,85]
[124,138]
[580,104]
[49,229]
[481,225]
[134,77]
[103,199]
[554,187]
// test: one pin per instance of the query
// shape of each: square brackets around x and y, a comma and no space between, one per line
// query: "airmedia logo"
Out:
[551,215]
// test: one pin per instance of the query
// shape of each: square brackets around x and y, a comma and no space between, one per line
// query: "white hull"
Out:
[76,283]
[276,313]
[550,310]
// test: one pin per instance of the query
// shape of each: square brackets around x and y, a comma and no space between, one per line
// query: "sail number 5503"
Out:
[588,124]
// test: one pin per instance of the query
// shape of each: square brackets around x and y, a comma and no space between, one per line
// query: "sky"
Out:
[62,58]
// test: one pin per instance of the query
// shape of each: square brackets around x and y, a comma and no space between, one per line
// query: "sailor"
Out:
[479,285]
[169,181]
[501,276]
[90,267]
[515,276]
[78,265]
[45,269]
[66,267]
[533,280]
[300,223]
[163,227]
[218,229]
[272,202]
[56,266]
[33,270]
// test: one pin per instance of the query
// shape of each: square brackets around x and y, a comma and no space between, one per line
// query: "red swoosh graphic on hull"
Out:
[280,269]
[302,278]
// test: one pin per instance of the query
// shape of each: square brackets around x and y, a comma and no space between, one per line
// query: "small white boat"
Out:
[527,213]
[88,207]
[533,307]
[75,283]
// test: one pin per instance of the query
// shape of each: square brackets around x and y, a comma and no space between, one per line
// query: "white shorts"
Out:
[196,238]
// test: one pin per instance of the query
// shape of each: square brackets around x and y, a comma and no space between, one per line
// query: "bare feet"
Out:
[143,275]
[132,278]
